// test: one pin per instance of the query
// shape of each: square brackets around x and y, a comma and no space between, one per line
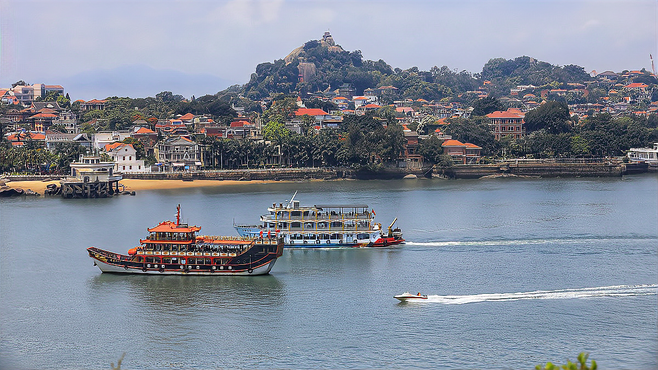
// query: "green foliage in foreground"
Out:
[581,365]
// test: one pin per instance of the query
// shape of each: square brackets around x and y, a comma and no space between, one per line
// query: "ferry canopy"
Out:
[172,227]
[341,206]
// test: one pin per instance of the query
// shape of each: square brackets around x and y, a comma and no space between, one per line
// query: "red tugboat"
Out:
[393,237]
[175,249]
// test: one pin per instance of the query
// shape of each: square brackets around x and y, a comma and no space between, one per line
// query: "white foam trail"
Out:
[608,291]
[506,242]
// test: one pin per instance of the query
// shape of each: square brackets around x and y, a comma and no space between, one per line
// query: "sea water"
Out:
[518,272]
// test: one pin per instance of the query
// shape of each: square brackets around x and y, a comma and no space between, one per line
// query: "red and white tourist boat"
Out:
[173,248]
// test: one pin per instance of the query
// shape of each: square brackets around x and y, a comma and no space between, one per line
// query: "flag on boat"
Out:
[373,212]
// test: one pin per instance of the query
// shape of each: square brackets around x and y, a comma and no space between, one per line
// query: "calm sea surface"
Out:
[519,272]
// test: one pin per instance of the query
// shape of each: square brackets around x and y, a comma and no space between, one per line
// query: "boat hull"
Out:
[247,264]
[113,268]
[374,239]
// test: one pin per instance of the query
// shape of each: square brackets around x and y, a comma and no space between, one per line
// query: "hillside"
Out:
[322,65]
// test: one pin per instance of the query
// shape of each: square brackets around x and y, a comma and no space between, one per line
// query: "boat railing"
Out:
[319,217]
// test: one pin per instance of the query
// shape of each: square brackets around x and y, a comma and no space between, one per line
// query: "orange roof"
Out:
[239,123]
[112,146]
[172,227]
[25,135]
[372,106]
[360,98]
[472,146]
[443,121]
[510,113]
[187,117]
[117,145]
[44,115]
[452,143]
[636,85]
[310,112]
[340,98]
[144,130]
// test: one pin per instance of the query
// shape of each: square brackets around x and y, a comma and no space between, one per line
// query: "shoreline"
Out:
[138,185]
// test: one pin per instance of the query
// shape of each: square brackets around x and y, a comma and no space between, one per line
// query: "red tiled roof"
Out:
[372,106]
[636,85]
[44,115]
[452,143]
[310,112]
[187,117]
[360,98]
[506,114]
[144,130]
[472,146]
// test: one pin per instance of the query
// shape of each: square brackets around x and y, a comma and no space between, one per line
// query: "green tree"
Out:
[552,116]
[484,106]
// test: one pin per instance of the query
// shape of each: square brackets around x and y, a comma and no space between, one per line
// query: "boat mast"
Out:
[178,215]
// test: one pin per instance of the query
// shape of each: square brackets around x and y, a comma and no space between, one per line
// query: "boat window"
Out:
[362,236]
[191,261]
[206,261]
[296,213]
[336,224]
[324,236]
[322,225]
[283,225]
[306,213]
[166,260]
[272,224]
[309,225]
[296,224]
[285,214]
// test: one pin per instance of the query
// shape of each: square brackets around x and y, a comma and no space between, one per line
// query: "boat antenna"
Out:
[291,199]
[178,215]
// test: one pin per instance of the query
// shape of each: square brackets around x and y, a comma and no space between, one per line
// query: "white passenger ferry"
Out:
[323,226]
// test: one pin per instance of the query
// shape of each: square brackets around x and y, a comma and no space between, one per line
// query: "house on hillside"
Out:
[177,154]
[507,123]
[462,153]
[54,137]
[125,159]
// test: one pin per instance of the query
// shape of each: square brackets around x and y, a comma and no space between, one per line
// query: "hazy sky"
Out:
[50,41]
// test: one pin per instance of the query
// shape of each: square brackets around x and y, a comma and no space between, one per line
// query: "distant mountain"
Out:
[140,81]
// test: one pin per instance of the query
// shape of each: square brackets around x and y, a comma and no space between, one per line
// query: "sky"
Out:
[100,48]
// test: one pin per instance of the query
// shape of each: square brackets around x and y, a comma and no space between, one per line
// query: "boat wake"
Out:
[608,291]
[477,243]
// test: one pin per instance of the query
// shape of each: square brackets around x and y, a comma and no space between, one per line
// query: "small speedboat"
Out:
[405,297]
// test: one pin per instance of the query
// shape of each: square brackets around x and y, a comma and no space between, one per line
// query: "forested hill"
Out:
[323,66]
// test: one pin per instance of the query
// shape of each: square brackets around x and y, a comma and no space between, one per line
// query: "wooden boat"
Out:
[175,249]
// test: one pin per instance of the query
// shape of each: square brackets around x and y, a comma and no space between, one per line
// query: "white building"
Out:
[102,138]
[648,155]
[125,159]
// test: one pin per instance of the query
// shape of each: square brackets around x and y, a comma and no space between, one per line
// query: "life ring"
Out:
[328,241]
[250,270]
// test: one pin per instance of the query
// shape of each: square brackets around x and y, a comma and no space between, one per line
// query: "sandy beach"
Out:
[136,185]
